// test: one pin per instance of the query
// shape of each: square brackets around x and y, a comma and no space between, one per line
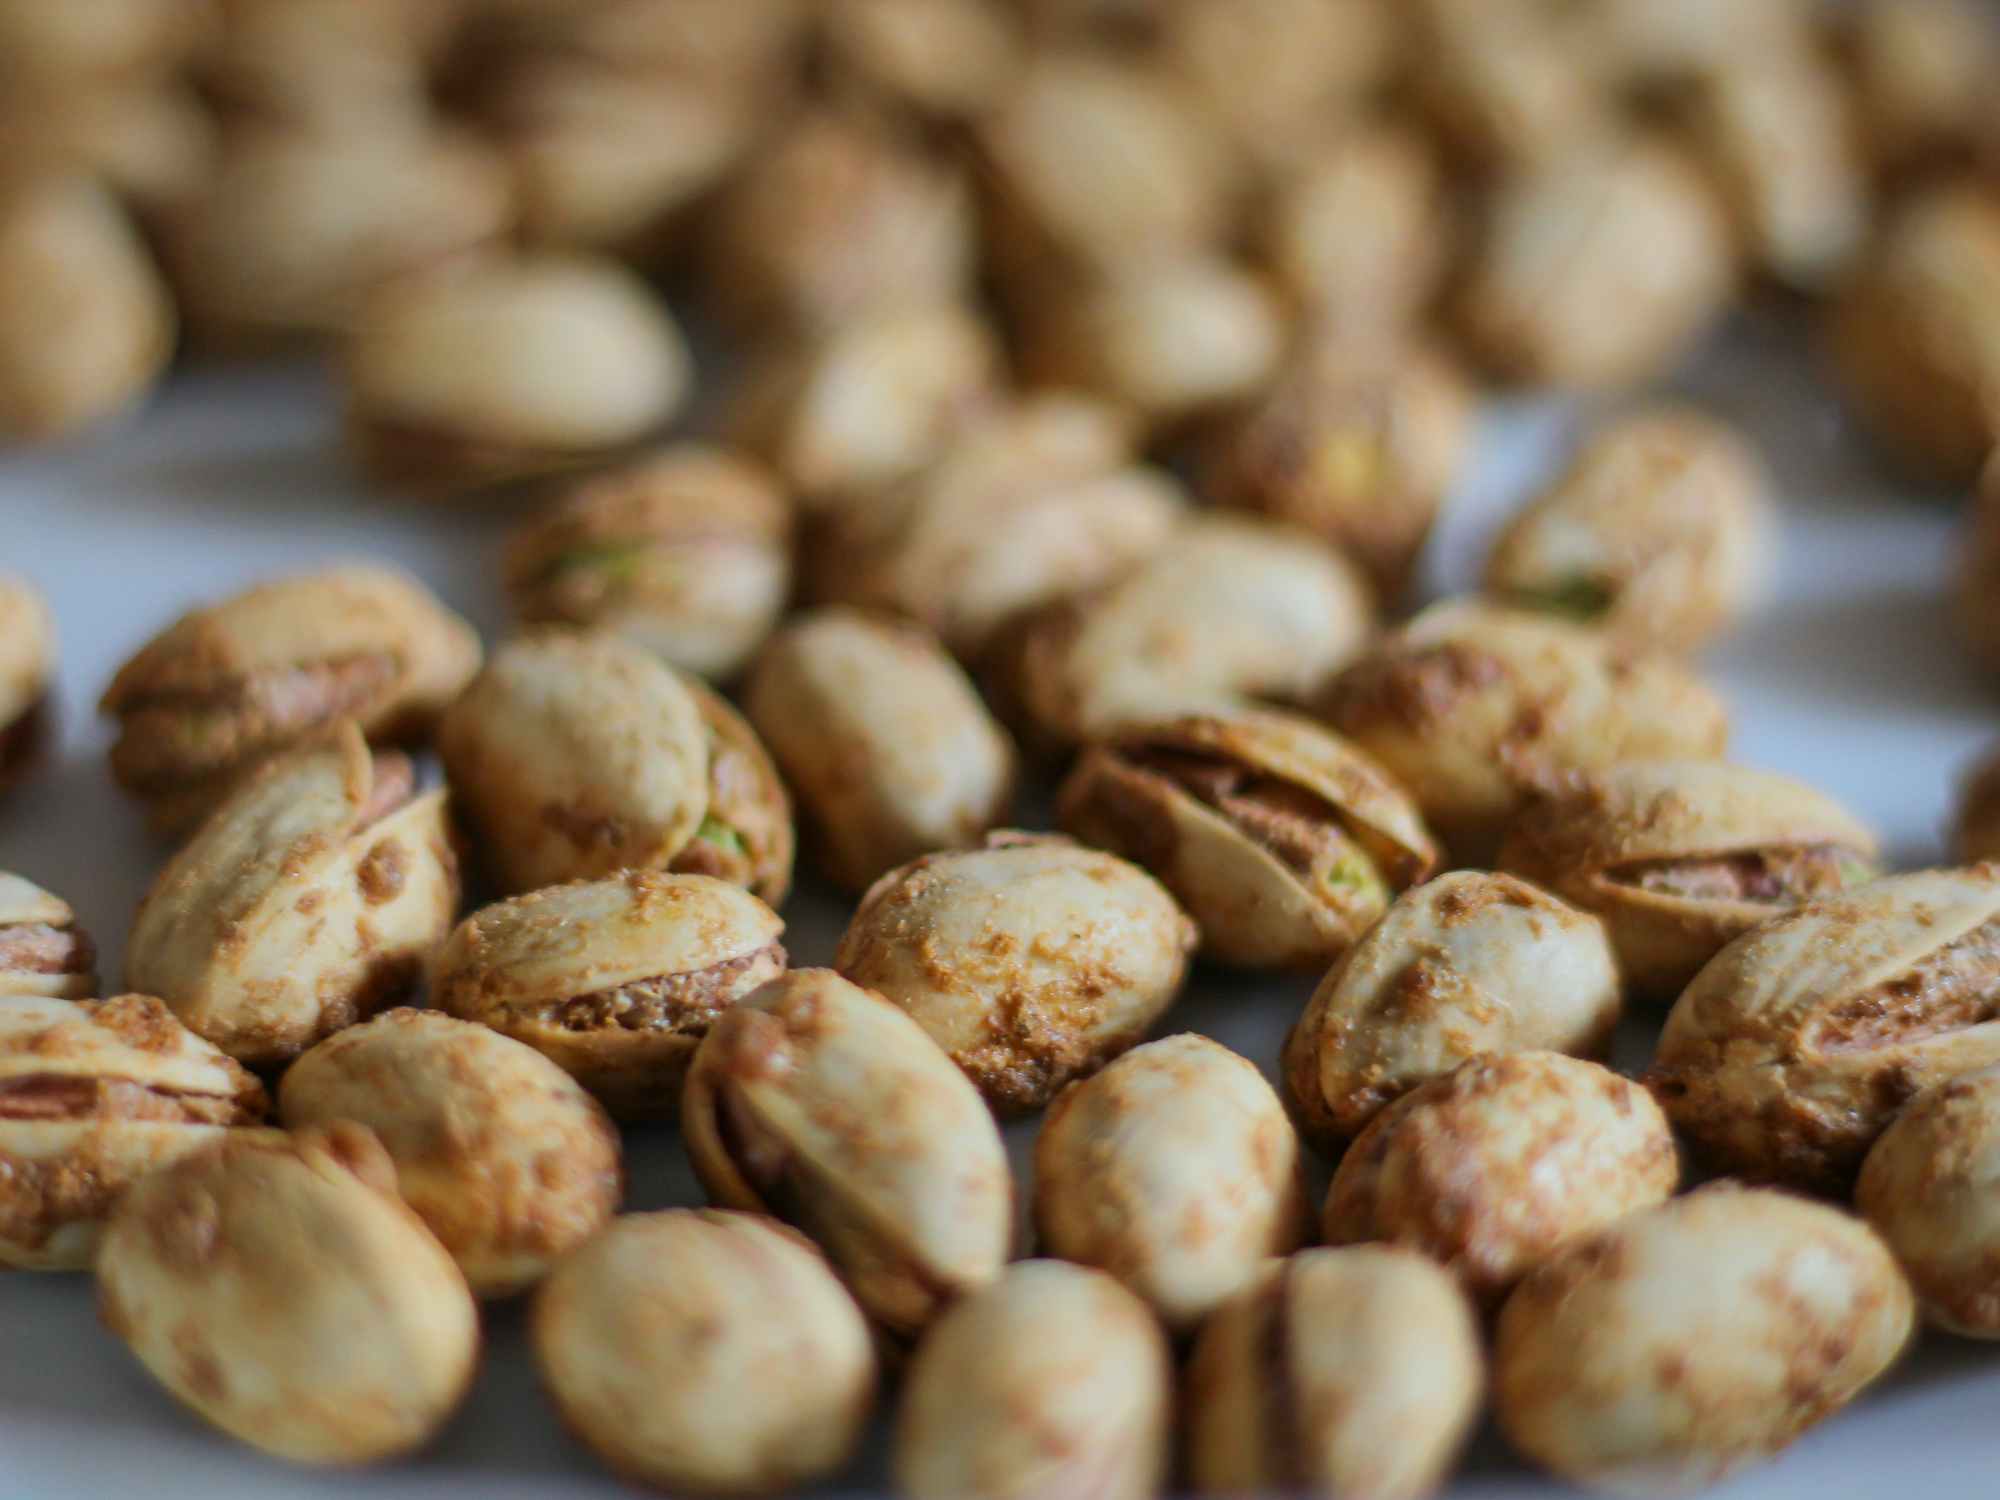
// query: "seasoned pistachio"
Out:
[1175,1170]
[1680,858]
[1053,1381]
[93,1096]
[1694,1339]
[946,58]
[706,1351]
[885,738]
[42,950]
[1977,834]
[1509,83]
[281,1290]
[822,1103]
[615,980]
[1975,582]
[27,667]
[1031,961]
[228,685]
[1922,71]
[1284,843]
[1354,1371]
[1793,1048]
[308,901]
[746,836]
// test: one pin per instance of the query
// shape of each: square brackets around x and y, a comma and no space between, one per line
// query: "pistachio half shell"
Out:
[42,950]
[27,665]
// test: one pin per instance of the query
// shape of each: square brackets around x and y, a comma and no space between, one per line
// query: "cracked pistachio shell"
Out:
[1976,576]
[885,739]
[1795,1045]
[950,59]
[1031,961]
[823,1104]
[1922,72]
[1509,84]
[1466,964]
[1680,858]
[1377,1380]
[94,1095]
[1232,857]
[1976,835]
[282,1291]
[1474,707]
[707,1352]
[1696,1338]
[1055,1380]
[42,950]
[747,837]
[614,980]
[1176,1170]
[501,1153]
[27,667]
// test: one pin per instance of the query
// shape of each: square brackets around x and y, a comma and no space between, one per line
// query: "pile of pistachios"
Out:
[1090,377]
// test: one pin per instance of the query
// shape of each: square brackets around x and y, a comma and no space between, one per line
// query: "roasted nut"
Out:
[307,902]
[1921,73]
[945,58]
[1053,1381]
[1175,1170]
[506,1159]
[42,950]
[706,1351]
[1695,1338]
[228,685]
[1656,532]
[885,739]
[1474,707]
[101,37]
[1031,961]
[1793,1048]
[1338,1372]
[27,666]
[1283,843]
[1680,858]
[746,837]
[1977,835]
[281,1290]
[1653,48]
[819,1102]
[93,1096]
[150,141]
[1468,964]
[617,980]
[752,44]
[1975,584]
[1509,83]
[324,66]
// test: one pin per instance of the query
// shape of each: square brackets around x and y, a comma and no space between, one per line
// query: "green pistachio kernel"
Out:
[1579,596]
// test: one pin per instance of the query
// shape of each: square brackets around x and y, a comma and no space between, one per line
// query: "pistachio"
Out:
[1475,707]
[1055,1380]
[324,66]
[1792,1049]
[946,58]
[1920,70]
[1656,532]
[228,685]
[97,37]
[1175,1170]
[1509,83]
[615,980]
[281,1290]
[151,141]
[1355,1371]
[750,44]
[1977,835]
[1693,1339]
[1282,842]
[706,1351]
[1975,584]
[822,1103]
[887,742]
[506,1159]
[42,950]
[93,1096]
[1680,858]
[27,667]
[1652,48]
[1469,964]
[1031,961]
[746,836]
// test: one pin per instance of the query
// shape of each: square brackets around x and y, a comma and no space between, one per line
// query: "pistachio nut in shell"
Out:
[1031,961]
[1283,842]
[281,1290]
[229,684]
[95,1094]
[27,668]
[1919,70]
[885,738]
[1975,583]
[1053,1380]
[615,980]
[1377,1381]
[949,59]
[1693,1339]
[1976,834]
[105,38]
[310,900]
[746,837]
[42,950]
[1796,1044]
[1680,858]
[1509,86]
[501,1153]
[706,1351]
[1176,1170]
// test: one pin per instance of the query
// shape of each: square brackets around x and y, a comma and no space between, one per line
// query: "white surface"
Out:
[1849,678]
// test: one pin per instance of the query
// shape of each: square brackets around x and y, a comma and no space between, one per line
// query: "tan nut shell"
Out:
[706,1351]
[1469,963]
[1053,1381]
[1031,961]
[289,915]
[1508,85]
[501,1153]
[27,654]
[1380,1380]
[950,58]
[747,797]
[884,738]
[1920,71]
[1175,1170]
[24,904]
[1695,1338]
